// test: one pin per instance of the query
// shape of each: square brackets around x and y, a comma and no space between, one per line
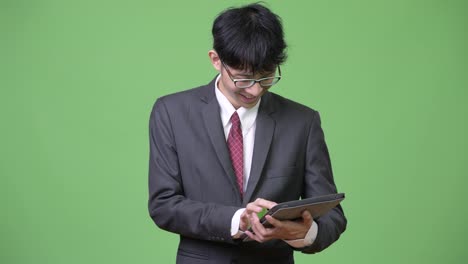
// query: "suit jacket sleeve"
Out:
[168,206]
[319,181]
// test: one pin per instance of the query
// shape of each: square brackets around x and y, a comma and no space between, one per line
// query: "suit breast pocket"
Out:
[280,184]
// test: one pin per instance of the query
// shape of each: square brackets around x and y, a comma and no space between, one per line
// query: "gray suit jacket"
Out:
[192,185]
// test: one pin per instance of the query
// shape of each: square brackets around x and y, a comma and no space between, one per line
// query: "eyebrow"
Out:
[248,75]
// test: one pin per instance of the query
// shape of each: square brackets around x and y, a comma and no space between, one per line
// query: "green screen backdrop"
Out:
[78,80]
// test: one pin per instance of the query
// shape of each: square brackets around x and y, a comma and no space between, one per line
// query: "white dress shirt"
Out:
[248,118]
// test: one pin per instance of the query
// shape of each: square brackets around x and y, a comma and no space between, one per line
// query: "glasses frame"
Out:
[254,81]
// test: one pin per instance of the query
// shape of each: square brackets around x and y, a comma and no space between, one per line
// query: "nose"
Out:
[255,90]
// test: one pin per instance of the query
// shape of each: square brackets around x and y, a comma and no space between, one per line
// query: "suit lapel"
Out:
[265,126]
[214,128]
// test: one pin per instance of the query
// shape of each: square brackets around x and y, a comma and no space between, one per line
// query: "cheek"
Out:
[231,88]
[228,87]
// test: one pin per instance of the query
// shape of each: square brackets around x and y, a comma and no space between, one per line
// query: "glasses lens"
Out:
[244,84]
[269,81]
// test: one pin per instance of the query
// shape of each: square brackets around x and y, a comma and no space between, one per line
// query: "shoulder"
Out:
[186,98]
[294,118]
[183,96]
[286,107]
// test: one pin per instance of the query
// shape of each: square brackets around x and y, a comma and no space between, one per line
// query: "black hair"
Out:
[249,38]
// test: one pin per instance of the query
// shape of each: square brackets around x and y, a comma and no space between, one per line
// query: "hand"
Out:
[253,208]
[285,230]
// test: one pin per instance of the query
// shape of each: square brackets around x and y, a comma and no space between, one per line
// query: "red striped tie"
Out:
[236,147]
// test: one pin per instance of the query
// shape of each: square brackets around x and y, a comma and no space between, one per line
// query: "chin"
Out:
[248,105]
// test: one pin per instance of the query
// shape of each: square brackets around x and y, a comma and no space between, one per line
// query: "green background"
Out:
[78,80]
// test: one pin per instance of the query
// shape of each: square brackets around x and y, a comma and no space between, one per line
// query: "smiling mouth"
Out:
[248,100]
[248,97]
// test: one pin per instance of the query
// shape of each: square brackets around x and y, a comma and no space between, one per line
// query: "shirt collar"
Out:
[247,116]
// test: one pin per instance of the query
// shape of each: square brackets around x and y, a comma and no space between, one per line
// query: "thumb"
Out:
[244,222]
[307,218]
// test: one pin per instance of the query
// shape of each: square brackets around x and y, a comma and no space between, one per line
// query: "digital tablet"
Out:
[317,206]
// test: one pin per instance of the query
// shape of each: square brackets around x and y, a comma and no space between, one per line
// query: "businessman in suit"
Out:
[222,152]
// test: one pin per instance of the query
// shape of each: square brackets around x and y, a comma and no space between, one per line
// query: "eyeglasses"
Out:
[266,82]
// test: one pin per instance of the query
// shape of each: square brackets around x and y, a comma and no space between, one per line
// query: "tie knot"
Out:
[235,119]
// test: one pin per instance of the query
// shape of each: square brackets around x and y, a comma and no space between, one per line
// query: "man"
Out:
[221,153]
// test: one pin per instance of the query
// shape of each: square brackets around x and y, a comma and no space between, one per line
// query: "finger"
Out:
[245,215]
[244,222]
[307,218]
[264,203]
[273,221]
[253,208]
[255,234]
[262,233]
[252,236]
[257,227]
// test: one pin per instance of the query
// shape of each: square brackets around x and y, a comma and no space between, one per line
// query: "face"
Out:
[238,97]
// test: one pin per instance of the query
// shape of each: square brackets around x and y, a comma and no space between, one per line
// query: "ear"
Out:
[215,60]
